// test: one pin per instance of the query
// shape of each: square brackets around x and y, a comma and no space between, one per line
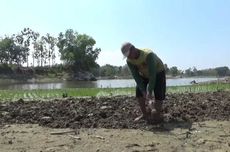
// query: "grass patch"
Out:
[6,95]
[9,95]
[199,88]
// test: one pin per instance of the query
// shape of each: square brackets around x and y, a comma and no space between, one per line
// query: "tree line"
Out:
[77,51]
[190,72]
[123,71]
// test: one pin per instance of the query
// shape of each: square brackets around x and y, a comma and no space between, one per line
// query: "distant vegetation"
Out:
[77,53]
[190,72]
[123,71]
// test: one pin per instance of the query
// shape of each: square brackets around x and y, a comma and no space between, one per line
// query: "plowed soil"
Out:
[181,111]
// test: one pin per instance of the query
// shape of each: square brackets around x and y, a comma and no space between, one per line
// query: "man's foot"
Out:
[156,117]
[143,117]
[158,105]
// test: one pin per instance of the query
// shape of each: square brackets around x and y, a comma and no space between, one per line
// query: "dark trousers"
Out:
[160,86]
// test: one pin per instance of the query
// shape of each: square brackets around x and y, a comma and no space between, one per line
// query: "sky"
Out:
[183,33]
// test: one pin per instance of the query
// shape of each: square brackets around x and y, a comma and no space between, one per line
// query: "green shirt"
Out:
[147,65]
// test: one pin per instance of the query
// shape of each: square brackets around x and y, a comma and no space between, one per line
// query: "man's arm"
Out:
[152,68]
[136,77]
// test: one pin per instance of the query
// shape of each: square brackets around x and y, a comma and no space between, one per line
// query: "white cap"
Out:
[125,49]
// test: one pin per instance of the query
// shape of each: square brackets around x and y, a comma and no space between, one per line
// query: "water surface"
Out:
[114,83]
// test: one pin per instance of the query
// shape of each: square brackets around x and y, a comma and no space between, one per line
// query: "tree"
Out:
[195,71]
[125,71]
[78,50]
[188,72]
[5,46]
[109,70]
[207,72]
[23,39]
[40,51]
[166,68]
[10,52]
[222,71]
[17,54]
[174,71]
[51,42]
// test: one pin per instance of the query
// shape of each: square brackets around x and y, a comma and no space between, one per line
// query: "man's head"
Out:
[129,51]
[126,49]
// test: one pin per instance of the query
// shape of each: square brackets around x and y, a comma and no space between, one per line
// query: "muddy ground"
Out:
[192,121]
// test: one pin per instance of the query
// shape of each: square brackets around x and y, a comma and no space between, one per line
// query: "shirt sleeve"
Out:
[137,77]
[151,62]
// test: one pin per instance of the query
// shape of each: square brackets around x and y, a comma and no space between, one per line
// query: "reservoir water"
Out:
[114,83]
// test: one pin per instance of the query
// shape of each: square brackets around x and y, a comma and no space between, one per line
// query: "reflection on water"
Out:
[117,83]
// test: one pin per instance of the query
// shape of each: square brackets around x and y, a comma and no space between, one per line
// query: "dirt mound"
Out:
[114,112]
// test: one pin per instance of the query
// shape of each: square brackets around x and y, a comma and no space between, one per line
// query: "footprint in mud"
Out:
[150,150]
[132,145]
[152,147]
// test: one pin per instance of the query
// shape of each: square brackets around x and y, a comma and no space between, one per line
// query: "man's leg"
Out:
[158,105]
[159,92]
[141,102]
